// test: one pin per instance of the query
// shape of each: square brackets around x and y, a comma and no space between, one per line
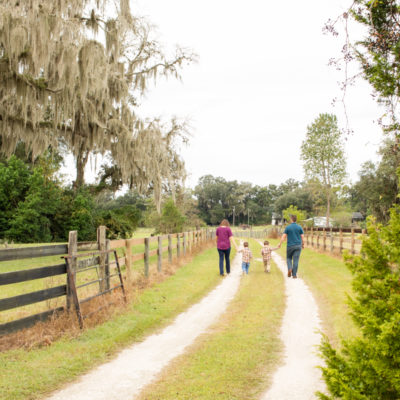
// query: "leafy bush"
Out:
[33,216]
[120,222]
[301,215]
[14,184]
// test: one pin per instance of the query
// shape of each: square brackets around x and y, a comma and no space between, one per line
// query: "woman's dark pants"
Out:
[222,254]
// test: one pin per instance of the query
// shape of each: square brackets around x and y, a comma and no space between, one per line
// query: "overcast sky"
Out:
[262,77]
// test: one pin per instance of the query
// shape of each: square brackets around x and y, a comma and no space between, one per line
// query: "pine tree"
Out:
[368,367]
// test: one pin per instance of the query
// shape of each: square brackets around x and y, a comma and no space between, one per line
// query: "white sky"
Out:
[262,77]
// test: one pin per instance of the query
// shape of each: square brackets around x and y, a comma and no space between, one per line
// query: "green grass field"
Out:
[31,374]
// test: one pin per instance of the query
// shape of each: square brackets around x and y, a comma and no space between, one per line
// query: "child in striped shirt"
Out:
[266,255]
[246,257]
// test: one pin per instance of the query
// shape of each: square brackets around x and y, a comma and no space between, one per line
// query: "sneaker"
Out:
[289,273]
[294,277]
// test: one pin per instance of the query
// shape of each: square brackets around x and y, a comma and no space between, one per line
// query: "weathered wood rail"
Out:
[179,245]
[334,240]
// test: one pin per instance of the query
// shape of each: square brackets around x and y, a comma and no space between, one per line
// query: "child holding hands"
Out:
[246,257]
[266,255]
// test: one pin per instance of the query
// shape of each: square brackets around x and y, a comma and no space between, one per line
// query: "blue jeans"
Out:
[245,267]
[292,258]
[222,254]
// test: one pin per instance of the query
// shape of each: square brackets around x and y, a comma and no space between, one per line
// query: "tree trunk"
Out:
[81,161]
[328,208]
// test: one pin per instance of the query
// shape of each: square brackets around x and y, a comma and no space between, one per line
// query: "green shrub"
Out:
[120,222]
[32,218]
[292,210]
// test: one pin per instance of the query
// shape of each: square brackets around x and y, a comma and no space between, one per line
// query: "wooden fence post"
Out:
[317,239]
[101,243]
[72,262]
[324,240]
[73,292]
[341,240]
[128,258]
[312,237]
[159,253]
[107,266]
[146,256]
[184,243]
[178,245]
[331,238]
[169,249]
[352,241]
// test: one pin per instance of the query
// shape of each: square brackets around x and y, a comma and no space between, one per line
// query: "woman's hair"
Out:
[246,244]
[224,222]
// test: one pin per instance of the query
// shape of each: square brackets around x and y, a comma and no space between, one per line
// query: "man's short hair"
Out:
[293,217]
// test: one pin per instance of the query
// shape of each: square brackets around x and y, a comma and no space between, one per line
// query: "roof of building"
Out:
[357,215]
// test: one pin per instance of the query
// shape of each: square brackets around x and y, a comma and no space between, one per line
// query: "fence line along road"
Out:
[95,269]
[333,240]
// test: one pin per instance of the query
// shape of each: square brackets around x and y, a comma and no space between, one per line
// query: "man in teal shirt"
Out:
[295,242]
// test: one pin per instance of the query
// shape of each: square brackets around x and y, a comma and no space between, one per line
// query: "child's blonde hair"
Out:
[246,244]
[266,242]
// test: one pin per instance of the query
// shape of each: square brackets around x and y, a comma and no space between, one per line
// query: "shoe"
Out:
[222,274]
[289,273]
[294,277]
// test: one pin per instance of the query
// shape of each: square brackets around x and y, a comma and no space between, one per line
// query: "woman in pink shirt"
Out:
[224,239]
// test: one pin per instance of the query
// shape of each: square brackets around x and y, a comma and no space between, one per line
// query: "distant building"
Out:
[320,222]
[357,217]
[277,219]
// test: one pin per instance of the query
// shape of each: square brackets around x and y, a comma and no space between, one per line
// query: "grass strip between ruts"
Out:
[236,359]
[31,374]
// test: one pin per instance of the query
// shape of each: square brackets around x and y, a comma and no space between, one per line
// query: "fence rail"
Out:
[33,252]
[334,240]
[97,261]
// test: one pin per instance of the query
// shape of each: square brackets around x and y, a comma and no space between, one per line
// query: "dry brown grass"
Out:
[273,234]
[65,324]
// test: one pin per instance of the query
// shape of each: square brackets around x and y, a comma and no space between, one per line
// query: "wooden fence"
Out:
[75,259]
[334,240]
[251,234]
